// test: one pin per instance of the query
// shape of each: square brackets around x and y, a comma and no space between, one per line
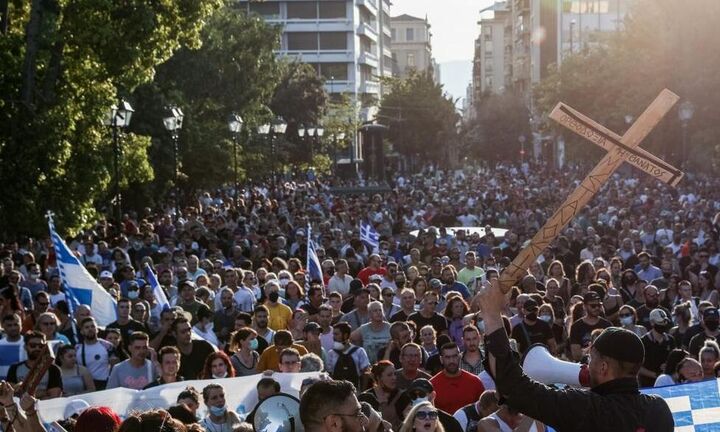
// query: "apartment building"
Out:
[412,46]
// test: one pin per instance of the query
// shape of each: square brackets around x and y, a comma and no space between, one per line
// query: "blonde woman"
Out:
[423,417]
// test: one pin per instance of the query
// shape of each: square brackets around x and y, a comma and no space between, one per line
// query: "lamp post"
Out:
[173,122]
[118,117]
[235,124]
[312,134]
[340,136]
[685,113]
[572,30]
[278,126]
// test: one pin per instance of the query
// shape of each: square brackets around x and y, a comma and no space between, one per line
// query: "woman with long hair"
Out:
[76,379]
[244,345]
[682,315]
[423,417]
[298,322]
[455,310]
[557,270]
[420,286]
[706,287]
[217,366]
[384,393]
[584,276]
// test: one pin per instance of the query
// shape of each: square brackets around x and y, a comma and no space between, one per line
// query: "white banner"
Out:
[240,396]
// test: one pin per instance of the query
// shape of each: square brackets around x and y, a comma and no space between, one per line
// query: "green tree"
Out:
[234,70]
[665,45]
[494,134]
[419,116]
[63,65]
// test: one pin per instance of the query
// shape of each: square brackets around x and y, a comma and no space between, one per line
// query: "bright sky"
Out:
[454,24]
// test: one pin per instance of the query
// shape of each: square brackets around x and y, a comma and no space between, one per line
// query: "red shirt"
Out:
[364,274]
[454,393]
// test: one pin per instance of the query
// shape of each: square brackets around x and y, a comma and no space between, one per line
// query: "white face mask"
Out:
[220,376]
[546,318]
[338,346]
[132,295]
[626,321]
[284,282]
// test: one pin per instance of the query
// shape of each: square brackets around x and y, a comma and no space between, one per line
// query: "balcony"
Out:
[367,30]
[372,87]
[386,29]
[338,86]
[369,59]
[370,5]
[319,56]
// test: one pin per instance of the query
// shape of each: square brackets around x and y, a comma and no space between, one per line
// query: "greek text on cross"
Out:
[586,190]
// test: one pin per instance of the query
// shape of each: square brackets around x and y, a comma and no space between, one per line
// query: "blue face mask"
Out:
[254,344]
[481,326]
[218,411]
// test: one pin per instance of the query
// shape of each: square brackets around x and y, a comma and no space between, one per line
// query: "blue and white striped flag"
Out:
[79,284]
[694,406]
[158,292]
[10,353]
[313,270]
[369,237]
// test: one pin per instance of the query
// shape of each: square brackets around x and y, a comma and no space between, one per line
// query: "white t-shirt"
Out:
[244,299]
[95,358]
[341,285]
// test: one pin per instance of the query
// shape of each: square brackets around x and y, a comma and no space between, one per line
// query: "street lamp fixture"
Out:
[235,124]
[279,126]
[301,131]
[319,131]
[118,117]
[686,110]
[263,129]
[173,122]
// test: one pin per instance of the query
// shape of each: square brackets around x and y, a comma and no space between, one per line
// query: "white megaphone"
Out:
[541,366]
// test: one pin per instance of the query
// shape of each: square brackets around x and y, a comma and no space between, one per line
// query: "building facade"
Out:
[412,46]
[347,41]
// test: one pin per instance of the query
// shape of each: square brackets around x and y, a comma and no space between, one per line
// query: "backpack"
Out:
[345,368]
[473,417]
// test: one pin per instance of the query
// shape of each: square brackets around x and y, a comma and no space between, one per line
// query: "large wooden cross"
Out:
[619,150]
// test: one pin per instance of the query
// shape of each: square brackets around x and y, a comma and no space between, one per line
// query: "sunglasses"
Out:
[429,415]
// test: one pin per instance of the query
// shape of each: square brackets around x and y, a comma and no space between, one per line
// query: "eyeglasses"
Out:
[422,415]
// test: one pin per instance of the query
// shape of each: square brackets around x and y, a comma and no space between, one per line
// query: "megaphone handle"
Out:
[584,376]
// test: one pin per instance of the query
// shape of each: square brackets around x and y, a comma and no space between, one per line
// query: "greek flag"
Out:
[695,406]
[313,269]
[158,292]
[10,353]
[79,284]
[369,237]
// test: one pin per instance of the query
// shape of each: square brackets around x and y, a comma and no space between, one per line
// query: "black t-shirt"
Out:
[50,380]
[191,365]
[580,331]
[643,315]
[655,355]
[697,342]
[399,316]
[437,321]
[526,334]
[127,329]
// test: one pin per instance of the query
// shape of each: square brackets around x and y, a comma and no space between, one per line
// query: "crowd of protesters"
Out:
[401,322]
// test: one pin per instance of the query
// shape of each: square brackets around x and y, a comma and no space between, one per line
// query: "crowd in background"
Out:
[401,322]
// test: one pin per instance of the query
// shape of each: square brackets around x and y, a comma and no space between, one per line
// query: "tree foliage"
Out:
[63,64]
[419,116]
[494,134]
[665,45]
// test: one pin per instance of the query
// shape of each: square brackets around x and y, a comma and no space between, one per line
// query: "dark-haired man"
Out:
[331,406]
[580,331]
[193,351]
[50,385]
[94,353]
[137,371]
[614,403]
[125,323]
[455,387]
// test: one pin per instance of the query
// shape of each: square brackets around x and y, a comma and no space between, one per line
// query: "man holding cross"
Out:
[614,402]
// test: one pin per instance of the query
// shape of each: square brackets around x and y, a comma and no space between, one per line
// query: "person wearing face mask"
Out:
[279,314]
[627,317]
[219,418]
[532,330]
[658,345]
[346,361]
[244,344]
[711,330]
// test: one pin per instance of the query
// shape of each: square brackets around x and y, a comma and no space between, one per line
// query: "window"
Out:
[409,34]
[267,10]
[332,9]
[488,47]
[411,59]
[333,41]
[302,10]
[335,71]
[302,41]
[392,31]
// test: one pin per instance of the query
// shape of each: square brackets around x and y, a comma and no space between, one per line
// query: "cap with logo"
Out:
[659,316]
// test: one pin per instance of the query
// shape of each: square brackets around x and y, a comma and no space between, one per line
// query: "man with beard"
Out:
[613,403]
[11,343]
[710,330]
[580,331]
[658,344]
[331,406]
[193,351]
[652,302]
[261,319]
[411,356]
[94,353]
[454,387]
[450,282]
[471,359]
[50,385]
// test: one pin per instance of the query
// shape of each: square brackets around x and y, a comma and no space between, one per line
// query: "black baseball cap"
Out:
[420,385]
[591,296]
[711,313]
[530,305]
